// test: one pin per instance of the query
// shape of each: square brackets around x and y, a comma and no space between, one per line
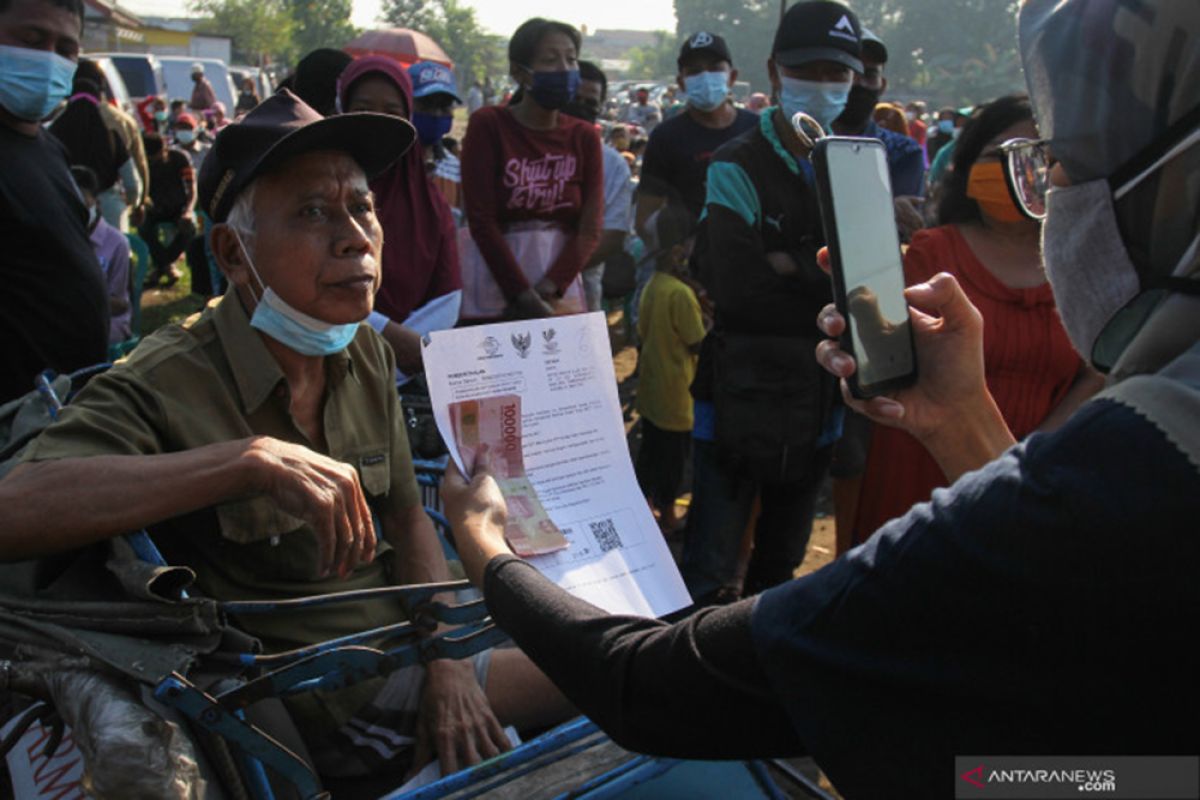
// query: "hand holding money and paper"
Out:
[496,422]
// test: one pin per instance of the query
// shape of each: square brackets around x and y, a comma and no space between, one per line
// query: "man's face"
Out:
[438,104]
[697,63]
[591,95]
[819,71]
[318,240]
[39,25]
[379,94]
[642,97]
[872,77]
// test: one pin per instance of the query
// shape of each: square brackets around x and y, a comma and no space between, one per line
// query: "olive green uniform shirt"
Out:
[213,380]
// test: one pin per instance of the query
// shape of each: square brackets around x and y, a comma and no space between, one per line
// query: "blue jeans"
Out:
[722,500]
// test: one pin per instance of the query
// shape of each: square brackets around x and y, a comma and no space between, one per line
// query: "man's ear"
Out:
[883,89]
[230,257]
[733,73]
[773,76]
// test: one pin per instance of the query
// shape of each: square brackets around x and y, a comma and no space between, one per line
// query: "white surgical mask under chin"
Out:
[291,327]
[822,101]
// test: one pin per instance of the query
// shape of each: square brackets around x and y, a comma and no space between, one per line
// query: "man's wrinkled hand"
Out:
[455,720]
[322,492]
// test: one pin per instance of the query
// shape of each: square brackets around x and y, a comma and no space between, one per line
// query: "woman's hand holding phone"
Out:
[949,409]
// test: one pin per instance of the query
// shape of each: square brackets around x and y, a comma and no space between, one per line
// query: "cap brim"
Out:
[438,90]
[800,56]
[375,141]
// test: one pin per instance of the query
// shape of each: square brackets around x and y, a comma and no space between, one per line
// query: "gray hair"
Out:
[241,217]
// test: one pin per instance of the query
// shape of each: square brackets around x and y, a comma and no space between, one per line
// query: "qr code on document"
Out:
[606,535]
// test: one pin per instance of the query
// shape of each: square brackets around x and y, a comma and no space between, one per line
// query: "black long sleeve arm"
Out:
[694,689]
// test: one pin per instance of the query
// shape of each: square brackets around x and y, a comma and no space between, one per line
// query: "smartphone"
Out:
[855,194]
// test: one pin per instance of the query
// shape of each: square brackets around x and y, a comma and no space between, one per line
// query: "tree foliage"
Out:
[656,60]
[959,53]
[452,24]
[261,30]
[320,23]
[953,53]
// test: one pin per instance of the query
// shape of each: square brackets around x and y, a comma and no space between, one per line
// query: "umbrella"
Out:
[404,45]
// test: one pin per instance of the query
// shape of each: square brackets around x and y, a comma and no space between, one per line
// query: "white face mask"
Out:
[822,101]
[1086,261]
[275,317]
[185,136]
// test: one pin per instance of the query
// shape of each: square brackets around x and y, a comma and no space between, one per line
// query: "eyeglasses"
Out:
[1027,172]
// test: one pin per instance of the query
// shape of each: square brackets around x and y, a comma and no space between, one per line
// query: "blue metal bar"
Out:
[345,666]
[801,780]
[434,465]
[622,779]
[414,594]
[511,764]
[763,778]
[143,547]
[202,709]
[385,631]
[53,404]
[256,774]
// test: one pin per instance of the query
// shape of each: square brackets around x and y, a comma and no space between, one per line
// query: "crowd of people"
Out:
[1050,239]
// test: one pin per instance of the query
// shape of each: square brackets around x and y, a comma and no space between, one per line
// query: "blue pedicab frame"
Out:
[346,660]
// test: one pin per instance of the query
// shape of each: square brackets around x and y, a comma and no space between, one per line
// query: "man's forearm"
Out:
[419,554]
[52,506]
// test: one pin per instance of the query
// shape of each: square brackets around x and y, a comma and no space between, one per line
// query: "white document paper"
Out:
[436,315]
[575,451]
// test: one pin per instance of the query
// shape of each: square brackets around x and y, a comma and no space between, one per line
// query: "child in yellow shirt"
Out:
[671,328]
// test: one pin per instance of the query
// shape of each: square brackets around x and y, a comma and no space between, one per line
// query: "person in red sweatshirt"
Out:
[533,187]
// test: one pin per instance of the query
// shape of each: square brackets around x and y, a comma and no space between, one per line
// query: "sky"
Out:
[498,16]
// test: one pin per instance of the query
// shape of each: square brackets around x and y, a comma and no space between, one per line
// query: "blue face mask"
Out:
[946,126]
[706,90]
[822,101]
[295,329]
[430,127]
[33,82]
[553,90]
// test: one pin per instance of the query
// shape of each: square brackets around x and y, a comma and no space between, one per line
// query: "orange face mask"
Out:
[986,186]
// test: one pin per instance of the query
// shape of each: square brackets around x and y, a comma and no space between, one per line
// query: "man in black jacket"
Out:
[765,415]
[54,304]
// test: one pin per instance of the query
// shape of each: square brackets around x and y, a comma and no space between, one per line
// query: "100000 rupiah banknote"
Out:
[496,422]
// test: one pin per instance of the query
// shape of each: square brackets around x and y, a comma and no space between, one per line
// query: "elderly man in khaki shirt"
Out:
[257,440]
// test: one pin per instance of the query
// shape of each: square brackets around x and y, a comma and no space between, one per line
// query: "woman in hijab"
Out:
[422,287]
[91,143]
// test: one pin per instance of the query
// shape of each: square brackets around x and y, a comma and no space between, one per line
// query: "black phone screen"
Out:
[868,253]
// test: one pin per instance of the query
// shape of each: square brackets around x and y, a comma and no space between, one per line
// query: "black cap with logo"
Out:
[819,30]
[707,43]
[283,126]
[873,48]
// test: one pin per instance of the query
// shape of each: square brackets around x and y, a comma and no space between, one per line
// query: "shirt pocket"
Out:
[374,466]
[255,519]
